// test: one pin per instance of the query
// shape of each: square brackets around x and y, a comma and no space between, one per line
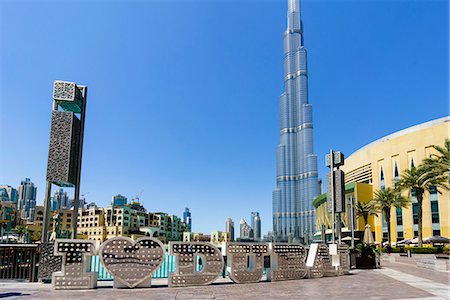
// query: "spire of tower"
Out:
[293,17]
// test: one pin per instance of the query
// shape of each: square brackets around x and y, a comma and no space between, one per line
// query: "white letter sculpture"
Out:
[132,263]
[319,261]
[186,264]
[287,262]
[73,273]
[246,261]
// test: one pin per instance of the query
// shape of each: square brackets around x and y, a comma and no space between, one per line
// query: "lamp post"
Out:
[335,190]
[352,221]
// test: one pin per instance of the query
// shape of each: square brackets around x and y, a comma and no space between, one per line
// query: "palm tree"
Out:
[21,230]
[441,160]
[384,200]
[365,210]
[428,177]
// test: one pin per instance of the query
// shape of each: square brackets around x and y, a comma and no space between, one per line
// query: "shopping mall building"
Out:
[380,164]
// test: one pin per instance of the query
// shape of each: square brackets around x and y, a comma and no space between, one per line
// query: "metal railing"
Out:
[163,271]
[18,261]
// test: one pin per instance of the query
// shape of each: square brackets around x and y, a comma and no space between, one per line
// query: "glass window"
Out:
[400,235]
[399,216]
[415,208]
[434,212]
[436,232]
[416,234]
[433,189]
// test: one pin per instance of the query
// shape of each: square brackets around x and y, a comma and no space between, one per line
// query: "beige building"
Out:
[381,164]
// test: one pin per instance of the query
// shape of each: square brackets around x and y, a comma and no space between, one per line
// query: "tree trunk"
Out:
[419,217]
[366,220]
[388,221]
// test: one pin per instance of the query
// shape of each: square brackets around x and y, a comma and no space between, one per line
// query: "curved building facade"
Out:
[381,163]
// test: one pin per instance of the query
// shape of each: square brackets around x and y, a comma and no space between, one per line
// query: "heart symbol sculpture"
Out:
[132,262]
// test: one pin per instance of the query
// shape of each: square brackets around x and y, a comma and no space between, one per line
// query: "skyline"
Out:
[220,172]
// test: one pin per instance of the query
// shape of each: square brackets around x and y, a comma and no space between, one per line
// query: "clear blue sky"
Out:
[183,95]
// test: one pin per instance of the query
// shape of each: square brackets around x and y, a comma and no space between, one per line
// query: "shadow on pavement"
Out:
[6,295]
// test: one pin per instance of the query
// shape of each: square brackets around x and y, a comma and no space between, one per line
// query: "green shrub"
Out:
[394,250]
[422,250]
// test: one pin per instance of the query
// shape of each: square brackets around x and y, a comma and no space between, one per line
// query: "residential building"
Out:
[8,214]
[196,237]
[219,237]
[297,175]
[381,163]
[27,199]
[229,227]
[8,193]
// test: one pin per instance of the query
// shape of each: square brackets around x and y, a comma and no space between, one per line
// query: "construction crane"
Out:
[136,198]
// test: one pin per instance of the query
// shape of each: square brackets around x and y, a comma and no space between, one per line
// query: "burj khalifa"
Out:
[297,176]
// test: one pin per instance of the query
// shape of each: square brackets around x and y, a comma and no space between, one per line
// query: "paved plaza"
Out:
[393,281]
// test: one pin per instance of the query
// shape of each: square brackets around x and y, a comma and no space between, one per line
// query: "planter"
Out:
[365,262]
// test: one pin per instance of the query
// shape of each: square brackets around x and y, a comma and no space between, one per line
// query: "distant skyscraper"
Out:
[187,219]
[246,231]
[118,200]
[8,193]
[297,176]
[60,200]
[27,199]
[256,225]
[81,203]
[229,227]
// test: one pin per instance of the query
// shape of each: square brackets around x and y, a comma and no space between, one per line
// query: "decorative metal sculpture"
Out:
[132,263]
[48,262]
[73,273]
[344,259]
[186,264]
[62,163]
[66,146]
[246,261]
[319,261]
[287,262]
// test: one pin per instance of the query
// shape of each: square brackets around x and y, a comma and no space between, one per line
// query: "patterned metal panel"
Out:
[63,149]
[186,269]
[288,262]
[73,273]
[319,261]
[238,257]
[48,262]
[344,258]
[68,96]
[132,263]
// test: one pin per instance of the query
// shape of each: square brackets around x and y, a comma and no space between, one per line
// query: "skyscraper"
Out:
[187,219]
[60,199]
[229,227]
[297,176]
[256,225]
[27,199]
[118,200]
[246,231]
